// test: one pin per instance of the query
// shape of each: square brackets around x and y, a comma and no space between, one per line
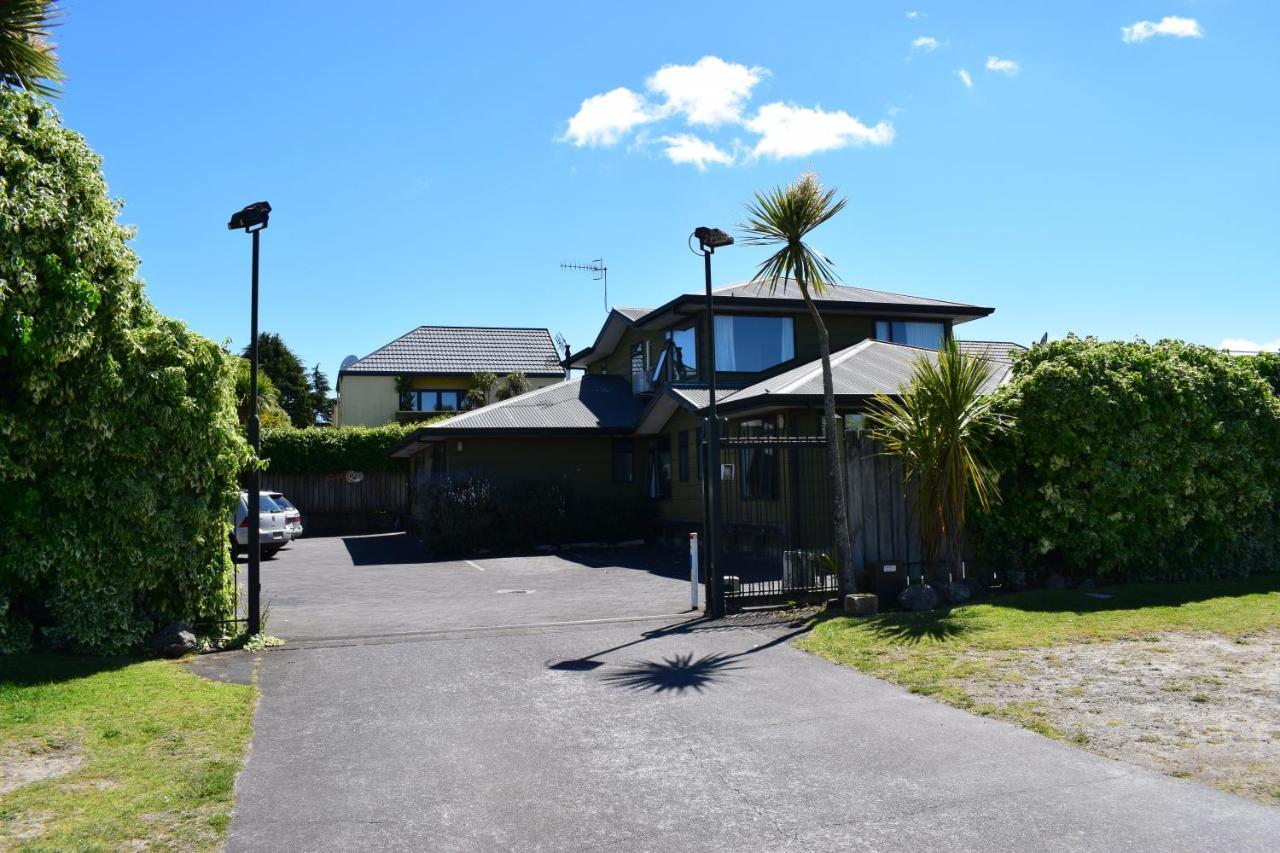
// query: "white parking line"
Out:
[474,565]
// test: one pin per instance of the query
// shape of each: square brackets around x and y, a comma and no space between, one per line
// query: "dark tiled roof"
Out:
[1001,351]
[862,370]
[836,293]
[589,403]
[747,295]
[464,350]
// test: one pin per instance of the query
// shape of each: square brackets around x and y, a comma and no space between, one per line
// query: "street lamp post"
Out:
[710,239]
[253,219]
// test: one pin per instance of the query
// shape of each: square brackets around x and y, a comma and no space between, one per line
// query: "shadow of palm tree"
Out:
[674,674]
[914,628]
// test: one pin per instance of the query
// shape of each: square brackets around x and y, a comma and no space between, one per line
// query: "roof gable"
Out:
[865,369]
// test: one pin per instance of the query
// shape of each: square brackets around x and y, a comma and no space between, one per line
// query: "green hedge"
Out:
[329,450]
[1132,461]
[1268,365]
[119,443]
[463,515]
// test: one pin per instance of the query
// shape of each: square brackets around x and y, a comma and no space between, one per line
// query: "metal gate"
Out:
[776,538]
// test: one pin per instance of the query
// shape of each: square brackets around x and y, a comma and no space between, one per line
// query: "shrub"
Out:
[328,450]
[1268,366]
[119,444]
[1135,461]
[462,515]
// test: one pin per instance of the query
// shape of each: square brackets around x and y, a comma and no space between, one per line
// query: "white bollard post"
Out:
[693,570]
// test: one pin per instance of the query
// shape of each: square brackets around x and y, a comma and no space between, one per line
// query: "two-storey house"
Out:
[632,424]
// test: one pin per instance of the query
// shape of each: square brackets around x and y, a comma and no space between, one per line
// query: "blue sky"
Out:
[434,163]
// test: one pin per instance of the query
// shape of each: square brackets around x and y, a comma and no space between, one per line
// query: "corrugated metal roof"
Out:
[633,313]
[991,350]
[862,370]
[464,350]
[835,293]
[592,402]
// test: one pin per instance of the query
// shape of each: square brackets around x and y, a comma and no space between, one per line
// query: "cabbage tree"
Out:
[941,425]
[27,60]
[783,218]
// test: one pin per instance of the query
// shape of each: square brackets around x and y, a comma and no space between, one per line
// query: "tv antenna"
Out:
[563,346]
[599,272]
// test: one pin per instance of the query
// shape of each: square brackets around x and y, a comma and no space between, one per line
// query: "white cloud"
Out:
[1170,25]
[687,148]
[1004,66]
[604,119]
[925,43]
[1244,345]
[913,14]
[964,78]
[790,131]
[710,92]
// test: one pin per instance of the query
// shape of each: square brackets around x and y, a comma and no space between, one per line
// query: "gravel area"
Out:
[1200,707]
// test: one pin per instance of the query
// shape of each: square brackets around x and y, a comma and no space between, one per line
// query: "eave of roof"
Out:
[688,304]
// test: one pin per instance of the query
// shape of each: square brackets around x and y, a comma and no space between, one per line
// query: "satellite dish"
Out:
[348,361]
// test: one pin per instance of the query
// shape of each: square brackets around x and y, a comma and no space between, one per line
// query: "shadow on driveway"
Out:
[676,673]
[385,549]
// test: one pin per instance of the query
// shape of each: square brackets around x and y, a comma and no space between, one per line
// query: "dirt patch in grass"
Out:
[1200,707]
[1182,678]
[36,760]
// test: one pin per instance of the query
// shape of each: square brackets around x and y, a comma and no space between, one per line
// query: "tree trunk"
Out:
[844,545]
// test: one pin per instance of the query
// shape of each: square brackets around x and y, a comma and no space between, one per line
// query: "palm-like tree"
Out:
[941,425]
[783,217]
[27,60]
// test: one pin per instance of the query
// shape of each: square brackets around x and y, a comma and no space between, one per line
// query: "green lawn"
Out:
[943,653]
[153,751]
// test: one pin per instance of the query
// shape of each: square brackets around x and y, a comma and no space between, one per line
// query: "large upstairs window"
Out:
[682,344]
[913,333]
[749,344]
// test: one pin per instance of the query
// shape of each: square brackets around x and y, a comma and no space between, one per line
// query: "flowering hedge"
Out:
[1134,461]
[119,444]
[328,450]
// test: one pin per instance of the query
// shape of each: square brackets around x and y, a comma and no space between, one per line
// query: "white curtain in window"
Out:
[788,348]
[927,335]
[725,350]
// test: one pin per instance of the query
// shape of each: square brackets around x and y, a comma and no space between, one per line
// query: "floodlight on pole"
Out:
[252,220]
[710,239]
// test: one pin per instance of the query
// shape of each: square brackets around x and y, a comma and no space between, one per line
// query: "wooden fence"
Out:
[332,506]
[883,522]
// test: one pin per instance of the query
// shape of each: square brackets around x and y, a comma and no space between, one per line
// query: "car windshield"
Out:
[283,501]
[266,504]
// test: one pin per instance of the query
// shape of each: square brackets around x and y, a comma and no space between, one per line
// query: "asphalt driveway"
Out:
[362,586]
[445,725]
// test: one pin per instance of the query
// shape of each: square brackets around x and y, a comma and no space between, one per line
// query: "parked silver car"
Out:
[272,535]
[292,517]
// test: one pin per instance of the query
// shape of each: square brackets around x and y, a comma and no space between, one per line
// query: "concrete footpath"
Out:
[650,734]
